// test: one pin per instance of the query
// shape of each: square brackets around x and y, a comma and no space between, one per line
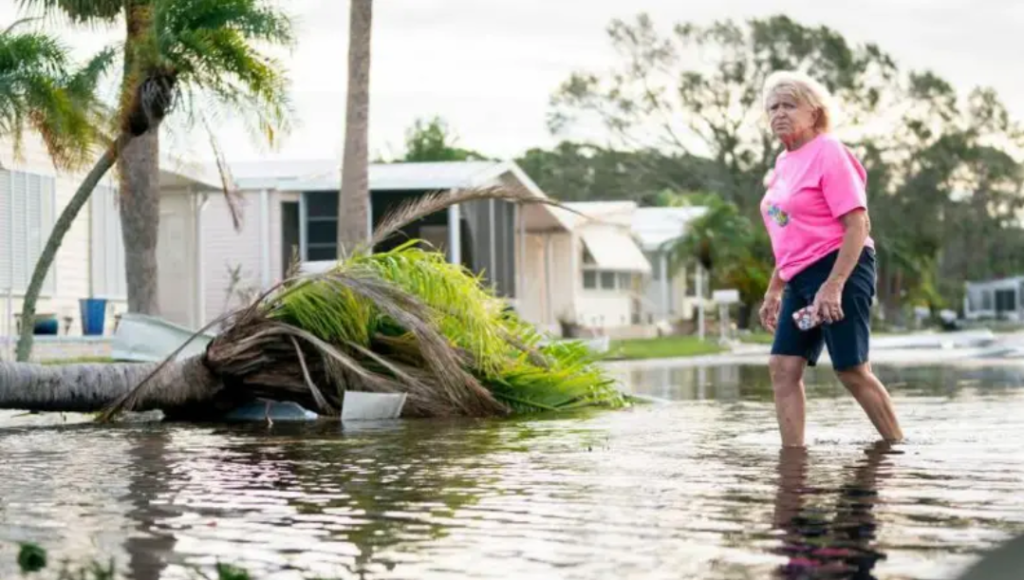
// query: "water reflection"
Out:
[752,383]
[331,502]
[829,541]
[147,546]
[692,489]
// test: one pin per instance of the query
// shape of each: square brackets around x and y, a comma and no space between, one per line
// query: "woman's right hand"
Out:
[770,310]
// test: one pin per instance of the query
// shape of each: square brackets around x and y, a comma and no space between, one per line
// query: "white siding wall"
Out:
[604,309]
[176,256]
[106,245]
[224,248]
[680,305]
[565,282]
[71,271]
[533,304]
[548,293]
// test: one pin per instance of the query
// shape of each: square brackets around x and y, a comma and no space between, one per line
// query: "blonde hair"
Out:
[805,89]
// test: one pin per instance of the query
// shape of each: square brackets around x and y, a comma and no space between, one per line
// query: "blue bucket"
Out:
[94,312]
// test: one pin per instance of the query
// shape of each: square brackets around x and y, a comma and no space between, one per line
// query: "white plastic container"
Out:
[362,406]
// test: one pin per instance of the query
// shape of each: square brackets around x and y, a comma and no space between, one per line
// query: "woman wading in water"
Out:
[815,209]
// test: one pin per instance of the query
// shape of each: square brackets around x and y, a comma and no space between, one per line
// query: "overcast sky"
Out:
[490,66]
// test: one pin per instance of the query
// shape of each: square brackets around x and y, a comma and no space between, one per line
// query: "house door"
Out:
[289,235]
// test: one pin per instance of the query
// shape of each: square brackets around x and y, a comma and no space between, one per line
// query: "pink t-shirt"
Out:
[810,189]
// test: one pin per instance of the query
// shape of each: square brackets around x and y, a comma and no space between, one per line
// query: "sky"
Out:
[489,67]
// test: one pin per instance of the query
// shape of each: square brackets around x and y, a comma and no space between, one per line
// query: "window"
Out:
[321,225]
[608,280]
[986,300]
[1006,301]
[107,246]
[26,217]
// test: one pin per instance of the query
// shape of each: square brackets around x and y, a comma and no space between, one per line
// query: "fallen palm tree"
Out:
[404,320]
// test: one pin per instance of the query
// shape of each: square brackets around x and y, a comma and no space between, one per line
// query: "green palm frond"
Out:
[201,54]
[37,90]
[571,380]
[465,312]
[210,48]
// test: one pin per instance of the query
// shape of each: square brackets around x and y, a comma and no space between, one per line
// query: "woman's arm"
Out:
[829,299]
[857,229]
[775,285]
[772,303]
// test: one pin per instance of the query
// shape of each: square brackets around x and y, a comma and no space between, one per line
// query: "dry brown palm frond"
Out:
[463,390]
[321,402]
[420,207]
[257,356]
[231,193]
[533,354]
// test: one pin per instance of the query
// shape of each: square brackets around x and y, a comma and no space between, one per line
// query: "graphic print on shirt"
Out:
[777,214]
[772,210]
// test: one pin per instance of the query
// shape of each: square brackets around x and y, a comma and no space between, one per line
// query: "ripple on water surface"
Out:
[695,487]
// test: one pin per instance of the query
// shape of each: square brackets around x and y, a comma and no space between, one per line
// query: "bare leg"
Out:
[787,374]
[873,398]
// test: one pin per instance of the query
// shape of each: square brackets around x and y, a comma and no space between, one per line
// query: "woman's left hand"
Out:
[828,302]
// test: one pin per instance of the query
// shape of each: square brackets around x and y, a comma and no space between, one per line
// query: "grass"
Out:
[77,360]
[663,347]
[759,337]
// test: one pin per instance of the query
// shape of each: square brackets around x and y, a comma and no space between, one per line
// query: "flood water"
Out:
[694,487]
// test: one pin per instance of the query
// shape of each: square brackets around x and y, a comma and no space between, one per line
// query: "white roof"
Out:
[319,175]
[614,249]
[655,226]
[175,173]
[325,175]
[608,212]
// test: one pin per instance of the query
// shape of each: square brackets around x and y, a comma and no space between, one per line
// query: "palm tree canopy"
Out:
[198,49]
[209,46]
[38,90]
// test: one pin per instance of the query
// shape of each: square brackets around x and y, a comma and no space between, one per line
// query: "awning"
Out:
[614,249]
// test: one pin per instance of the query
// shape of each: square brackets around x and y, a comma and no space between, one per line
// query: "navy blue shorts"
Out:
[847,339]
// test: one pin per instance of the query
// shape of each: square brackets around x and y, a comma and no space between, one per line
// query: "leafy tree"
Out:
[584,172]
[729,247]
[933,156]
[697,91]
[433,140]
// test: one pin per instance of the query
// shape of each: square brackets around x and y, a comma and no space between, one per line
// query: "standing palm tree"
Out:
[176,51]
[354,201]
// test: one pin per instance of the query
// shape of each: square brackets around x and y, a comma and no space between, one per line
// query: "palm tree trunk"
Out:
[140,219]
[139,166]
[60,229]
[354,201]
[87,388]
